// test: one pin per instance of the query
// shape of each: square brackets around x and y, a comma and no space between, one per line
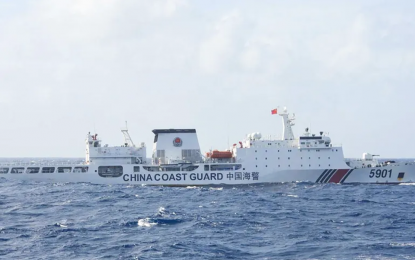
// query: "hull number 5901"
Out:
[380,173]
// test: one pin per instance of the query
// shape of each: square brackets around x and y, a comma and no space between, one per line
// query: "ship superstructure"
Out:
[176,159]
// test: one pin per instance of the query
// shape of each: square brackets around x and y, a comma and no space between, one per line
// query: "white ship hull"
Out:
[178,161]
[381,175]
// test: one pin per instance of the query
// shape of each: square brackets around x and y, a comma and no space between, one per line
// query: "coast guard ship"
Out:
[178,161]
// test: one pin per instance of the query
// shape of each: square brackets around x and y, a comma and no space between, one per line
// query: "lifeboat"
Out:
[219,154]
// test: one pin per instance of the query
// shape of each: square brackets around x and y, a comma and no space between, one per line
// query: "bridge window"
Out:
[110,171]
[64,169]
[32,170]
[81,169]
[206,167]
[48,169]
[136,168]
[17,170]
[4,170]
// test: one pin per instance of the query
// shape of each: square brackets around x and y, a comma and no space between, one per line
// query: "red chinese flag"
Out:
[274,111]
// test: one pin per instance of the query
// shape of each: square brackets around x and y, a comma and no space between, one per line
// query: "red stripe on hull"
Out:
[338,176]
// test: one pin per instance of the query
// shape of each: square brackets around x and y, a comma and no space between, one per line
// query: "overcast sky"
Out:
[72,66]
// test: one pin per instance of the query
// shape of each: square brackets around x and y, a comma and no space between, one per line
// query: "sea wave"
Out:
[276,221]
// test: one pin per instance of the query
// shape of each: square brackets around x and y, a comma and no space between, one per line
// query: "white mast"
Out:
[127,137]
[287,122]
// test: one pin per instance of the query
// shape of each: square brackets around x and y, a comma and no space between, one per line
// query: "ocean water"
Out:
[275,221]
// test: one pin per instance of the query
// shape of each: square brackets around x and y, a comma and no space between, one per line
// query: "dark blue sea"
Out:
[278,221]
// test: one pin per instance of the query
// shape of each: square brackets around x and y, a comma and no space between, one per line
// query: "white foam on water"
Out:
[61,225]
[145,222]
[407,183]
[403,244]
[191,187]
[220,188]
[294,196]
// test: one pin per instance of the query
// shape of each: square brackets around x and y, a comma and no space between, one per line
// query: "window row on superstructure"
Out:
[301,150]
[31,170]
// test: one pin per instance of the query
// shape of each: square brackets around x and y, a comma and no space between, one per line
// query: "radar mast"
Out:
[127,138]
[287,132]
